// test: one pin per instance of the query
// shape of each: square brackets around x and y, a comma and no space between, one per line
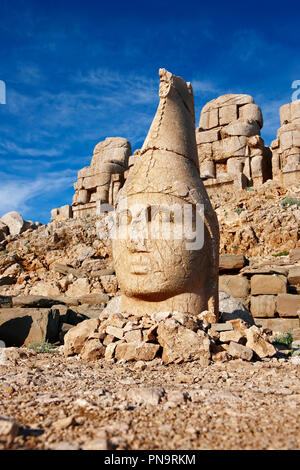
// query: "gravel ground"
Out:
[63,403]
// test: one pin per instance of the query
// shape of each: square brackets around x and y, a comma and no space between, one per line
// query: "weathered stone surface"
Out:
[34,301]
[136,351]
[238,351]
[14,221]
[181,344]
[8,430]
[288,305]
[222,327]
[237,286]
[228,336]
[294,255]
[92,350]
[268,284]
[258,344]
[24,326]
[231,262]
[281,325]
[294,276]
[75,339]
[115,331]
[263,305]
[231,309]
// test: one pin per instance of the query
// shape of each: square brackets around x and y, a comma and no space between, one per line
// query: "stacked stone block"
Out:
[286,147]
[272,294]
[231,151]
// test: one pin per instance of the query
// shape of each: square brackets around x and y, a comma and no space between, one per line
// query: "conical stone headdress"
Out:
[168,162]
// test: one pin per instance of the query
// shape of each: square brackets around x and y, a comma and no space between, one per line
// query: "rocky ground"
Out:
[260,221]
[63,403]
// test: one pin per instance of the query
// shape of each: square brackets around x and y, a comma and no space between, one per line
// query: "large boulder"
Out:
[24,326]
[14,222]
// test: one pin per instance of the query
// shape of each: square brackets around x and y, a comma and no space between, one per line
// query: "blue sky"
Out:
[79,71]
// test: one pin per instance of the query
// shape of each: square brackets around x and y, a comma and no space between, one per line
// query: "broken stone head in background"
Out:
[231,151]
[286,147]
[99,182]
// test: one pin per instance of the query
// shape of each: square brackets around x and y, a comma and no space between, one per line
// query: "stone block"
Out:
[268,284]
[24,326]
[209,119]
[238,351]
[207,169]
[281,325]
[294,255]
[204,152]
[236,285]
[241,127]
[286,140]
[263,306]
[294,276]
[295,110]
[204,137]
[288,305]
[231,262]
[234,146]
[285,114]
[251,111]
[227,114]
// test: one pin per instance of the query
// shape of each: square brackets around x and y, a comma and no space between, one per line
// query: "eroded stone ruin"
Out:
[231,151]
[286,147]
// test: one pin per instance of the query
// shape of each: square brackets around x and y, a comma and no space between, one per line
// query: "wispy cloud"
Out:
[19,194]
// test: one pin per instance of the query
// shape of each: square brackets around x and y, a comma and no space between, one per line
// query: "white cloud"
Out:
[18,193]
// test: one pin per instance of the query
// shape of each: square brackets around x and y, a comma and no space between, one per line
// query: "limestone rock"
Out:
[264,284]
[263,305]
[288,305]
[231,309]
[24,326]
[231,262]
[75,339]
[92,350]
[238,351]
[14,222]
[181,344]
[258,344]
[237,286]
[8,430]
[136,351]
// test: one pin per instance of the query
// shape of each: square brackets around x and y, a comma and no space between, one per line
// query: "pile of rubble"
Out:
[173,336]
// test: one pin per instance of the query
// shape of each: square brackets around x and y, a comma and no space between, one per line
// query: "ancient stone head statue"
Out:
[167,239]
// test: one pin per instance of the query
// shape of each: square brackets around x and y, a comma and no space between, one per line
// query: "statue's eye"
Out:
[163,216]
[124,218]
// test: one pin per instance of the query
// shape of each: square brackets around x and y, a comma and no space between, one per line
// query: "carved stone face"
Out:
[151,263]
